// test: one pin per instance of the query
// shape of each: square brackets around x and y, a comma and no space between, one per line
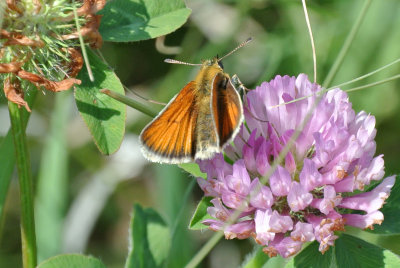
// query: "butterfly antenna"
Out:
[181,62]
[239,46]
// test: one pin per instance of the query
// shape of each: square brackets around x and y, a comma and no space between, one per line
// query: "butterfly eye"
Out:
[220,64]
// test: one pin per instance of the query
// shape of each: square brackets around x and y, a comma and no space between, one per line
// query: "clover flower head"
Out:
[308,195]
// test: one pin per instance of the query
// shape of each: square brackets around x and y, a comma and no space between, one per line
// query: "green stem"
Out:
[83,48]
[185,200]
[346,45]
[130,102]
[202,253]
[7,160]
[29,254]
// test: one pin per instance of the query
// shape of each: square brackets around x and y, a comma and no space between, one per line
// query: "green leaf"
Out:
[312,258]
[201,214]
[150,239]
[193,169]
[354,252]
[104,116]
[390,210]
[72,261]
[348,251]
[135,20]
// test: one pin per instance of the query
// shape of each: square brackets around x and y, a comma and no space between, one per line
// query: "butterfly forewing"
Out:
[169,137]
[227,109]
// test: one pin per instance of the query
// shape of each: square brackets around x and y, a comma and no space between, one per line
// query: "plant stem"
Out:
[83,48]
[130,102]
[202,253]
[28,237]
[7,163]
[311,39]
[7,160]
[346,45]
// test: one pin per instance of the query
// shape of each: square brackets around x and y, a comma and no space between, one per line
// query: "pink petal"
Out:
[345,185]
[261,219]
[310,178]
[279,223]
[239,181]
[370,201]
[216,167]
[261,196]
[329,201]
[208,186]
[298,198]
[249,153]
[288,247]
[234,200]
[364,221]
[280,182]
[241,230]
[262,158]
[375,171]
[303,232]
[218,211]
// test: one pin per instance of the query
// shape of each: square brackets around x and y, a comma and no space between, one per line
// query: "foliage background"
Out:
[105,187]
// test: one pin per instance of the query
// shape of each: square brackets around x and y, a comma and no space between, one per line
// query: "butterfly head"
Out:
[216,62]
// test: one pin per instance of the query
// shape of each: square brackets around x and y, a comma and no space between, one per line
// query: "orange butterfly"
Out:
[200,120]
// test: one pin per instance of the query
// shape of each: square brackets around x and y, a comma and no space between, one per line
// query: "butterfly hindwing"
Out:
[227,108]
[170,137]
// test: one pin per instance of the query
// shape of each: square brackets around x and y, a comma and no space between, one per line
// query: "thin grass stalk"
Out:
[349,40]
[350,82]
[374,84]
[311,39]
[366,75]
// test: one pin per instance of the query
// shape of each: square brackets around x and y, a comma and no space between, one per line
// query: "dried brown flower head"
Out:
[39,44]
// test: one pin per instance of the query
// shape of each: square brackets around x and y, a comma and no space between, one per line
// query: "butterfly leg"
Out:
[238,84]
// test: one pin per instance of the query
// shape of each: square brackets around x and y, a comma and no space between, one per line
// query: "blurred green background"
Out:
[85,199]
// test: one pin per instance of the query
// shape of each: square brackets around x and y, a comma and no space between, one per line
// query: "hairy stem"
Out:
[130,102]
[29,252]
[7,160]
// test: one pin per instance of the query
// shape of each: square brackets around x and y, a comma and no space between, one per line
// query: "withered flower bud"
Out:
[12,4]
[38,46]
[54,86]
[76,63]
[12,67]
[14,93]
[91,7]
